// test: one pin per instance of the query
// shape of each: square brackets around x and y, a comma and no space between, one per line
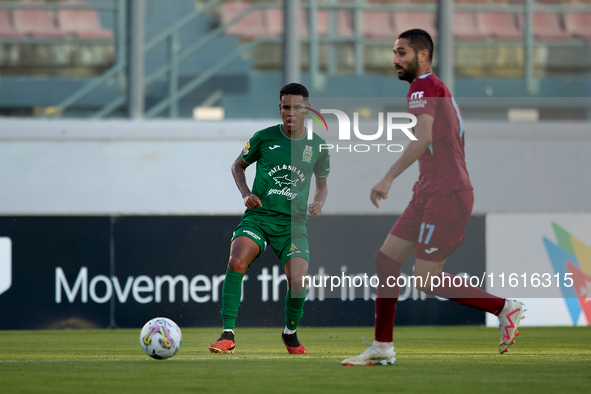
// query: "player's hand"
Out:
[380,191]
[315,209]
[251,201]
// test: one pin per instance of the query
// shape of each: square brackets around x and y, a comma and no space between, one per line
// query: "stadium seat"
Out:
[500,26]
[6,29]
[378,25]
[85,24]
[578,24]
[546,27]
[250,27]
[414,20]
[465,28]
[553,1]
[36,22]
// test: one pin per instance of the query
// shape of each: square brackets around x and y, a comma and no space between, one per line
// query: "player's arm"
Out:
[320,195]
[239,173]
[424,133]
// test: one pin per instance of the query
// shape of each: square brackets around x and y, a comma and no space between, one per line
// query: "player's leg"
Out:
[293,252]
[442,232]
[295,269]
[243,251]
[247,245]
[388,262]
[398,246]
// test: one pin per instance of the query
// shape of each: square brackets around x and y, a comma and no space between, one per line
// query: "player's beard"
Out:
[409,73]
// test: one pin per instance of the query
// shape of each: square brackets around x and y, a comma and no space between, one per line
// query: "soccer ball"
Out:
[161,338]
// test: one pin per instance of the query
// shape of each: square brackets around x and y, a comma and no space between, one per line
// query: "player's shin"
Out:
[388,271]
[294,307]
[231,293]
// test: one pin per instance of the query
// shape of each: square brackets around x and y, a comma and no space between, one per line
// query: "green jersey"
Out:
[284,173]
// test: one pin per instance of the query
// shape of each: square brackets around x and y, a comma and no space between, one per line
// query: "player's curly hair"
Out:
[295,89]
[418,40]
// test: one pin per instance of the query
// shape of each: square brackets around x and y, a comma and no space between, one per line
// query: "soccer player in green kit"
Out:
[276,212]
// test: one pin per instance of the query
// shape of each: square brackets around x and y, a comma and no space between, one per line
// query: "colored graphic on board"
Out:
[570,255]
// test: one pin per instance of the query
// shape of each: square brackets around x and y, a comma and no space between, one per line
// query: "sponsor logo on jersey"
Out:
[289,167]
[286,191]
[286,180]
[246,148]
[417,95]
[416,100]
[307,156]
[274,147]
[283,181]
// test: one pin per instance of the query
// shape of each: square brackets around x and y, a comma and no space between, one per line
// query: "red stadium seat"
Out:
[6,29]
[378,25]
[249,27]
[85,24]
[465,28]
[553,1]
[36,22]
[500,26]
[414,20]
[546,27]
[578,25]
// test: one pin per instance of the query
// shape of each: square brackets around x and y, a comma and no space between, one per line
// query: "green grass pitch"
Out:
[430,360]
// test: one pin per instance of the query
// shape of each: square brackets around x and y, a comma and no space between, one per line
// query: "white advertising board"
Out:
[549,256]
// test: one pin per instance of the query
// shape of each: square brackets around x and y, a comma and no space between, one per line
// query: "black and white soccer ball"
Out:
[161,338]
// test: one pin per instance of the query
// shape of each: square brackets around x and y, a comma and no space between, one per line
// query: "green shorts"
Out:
[286,240]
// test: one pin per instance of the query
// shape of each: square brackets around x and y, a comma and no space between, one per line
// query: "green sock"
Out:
[294,308]
[231,293]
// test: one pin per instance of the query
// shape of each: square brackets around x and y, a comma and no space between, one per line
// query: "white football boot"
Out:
[373,355]
[509,319]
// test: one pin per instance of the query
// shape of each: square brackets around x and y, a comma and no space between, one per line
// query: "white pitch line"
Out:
[295,357]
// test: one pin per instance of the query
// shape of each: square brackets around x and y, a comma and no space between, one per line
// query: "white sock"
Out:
[383,345]
[287,331]
[228,330]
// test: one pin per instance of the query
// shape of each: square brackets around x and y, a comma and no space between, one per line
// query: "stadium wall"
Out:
[183,167]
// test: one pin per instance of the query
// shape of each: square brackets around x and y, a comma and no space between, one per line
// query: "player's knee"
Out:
[238,264]
[297,284]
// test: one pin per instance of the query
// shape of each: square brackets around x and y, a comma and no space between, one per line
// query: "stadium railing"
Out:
[331,23]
